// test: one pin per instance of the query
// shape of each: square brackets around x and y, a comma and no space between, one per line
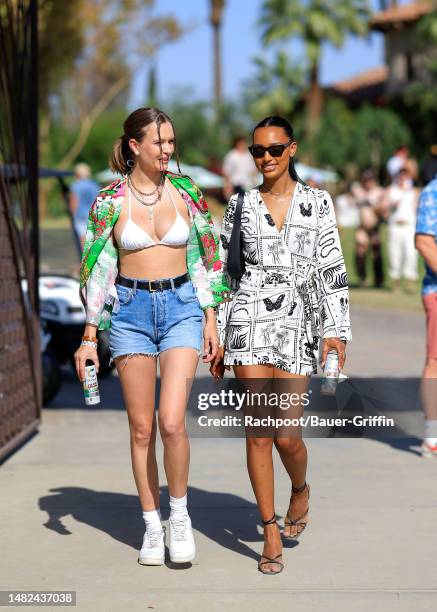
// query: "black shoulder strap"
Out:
[238,209]
[234,253]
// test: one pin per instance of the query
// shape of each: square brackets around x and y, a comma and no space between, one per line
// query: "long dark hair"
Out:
[277,121]
[134,127]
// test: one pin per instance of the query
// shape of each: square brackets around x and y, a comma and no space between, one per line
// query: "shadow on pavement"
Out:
[227,519]
[386,396]
[408,445]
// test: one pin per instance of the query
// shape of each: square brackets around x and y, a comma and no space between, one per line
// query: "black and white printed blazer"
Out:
[294,290]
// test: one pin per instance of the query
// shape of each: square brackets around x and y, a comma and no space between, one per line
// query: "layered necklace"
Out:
[140,195]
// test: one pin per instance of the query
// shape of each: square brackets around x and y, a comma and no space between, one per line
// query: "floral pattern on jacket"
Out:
[99,267]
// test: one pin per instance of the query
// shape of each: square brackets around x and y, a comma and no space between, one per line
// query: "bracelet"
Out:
[88,343]
[90,339]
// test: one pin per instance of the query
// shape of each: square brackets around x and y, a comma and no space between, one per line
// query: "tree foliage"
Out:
[275,88]
[313,21]
[201,138]
[422,91]
[349,141]
[61,39]
[89,53]
[376,133]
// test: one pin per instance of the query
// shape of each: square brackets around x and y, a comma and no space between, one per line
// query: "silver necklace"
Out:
[149,205]
[141,199]
[144,193]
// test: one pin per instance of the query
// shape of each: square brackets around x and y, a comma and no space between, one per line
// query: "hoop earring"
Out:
[130,163]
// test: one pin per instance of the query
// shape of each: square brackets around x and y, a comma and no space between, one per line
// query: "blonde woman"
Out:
[151,272]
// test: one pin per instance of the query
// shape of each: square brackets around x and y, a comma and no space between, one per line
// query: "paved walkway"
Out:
[70,517]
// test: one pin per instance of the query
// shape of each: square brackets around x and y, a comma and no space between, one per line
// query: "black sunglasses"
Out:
[258,151]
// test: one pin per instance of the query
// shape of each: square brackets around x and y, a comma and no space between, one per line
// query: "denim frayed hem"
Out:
[130,355]
[198,351]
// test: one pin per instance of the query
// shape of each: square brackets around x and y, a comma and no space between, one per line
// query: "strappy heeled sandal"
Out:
[298,522]
[268,560]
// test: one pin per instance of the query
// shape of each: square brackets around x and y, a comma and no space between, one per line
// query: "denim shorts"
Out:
[150,322]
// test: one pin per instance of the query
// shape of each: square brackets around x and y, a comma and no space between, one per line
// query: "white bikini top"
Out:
[134,237]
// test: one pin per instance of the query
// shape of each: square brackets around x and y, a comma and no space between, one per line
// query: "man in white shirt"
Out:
[401,159]
[401,205]
[397,161]
[238,169]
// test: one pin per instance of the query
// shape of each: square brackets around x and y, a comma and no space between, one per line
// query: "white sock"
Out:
[178,506]
[152,518]
[431,432]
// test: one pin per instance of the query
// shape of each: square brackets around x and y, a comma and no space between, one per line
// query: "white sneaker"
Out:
[153,549]
[182,548]
[428,450]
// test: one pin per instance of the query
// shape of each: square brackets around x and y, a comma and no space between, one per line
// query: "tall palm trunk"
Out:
[314,101]
[216,22]
[151,86]
[217,66]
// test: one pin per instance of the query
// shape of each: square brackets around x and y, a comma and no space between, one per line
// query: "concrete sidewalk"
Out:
[70,517]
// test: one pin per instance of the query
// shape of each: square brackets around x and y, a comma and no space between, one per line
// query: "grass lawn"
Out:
[62,222]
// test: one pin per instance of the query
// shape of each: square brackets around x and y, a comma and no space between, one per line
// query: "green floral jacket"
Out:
[99,267]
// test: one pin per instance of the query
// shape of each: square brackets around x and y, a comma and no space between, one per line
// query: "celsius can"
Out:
[330,374]
[90,384]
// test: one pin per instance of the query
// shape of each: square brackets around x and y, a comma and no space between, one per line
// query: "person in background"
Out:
[83,192]
[238,169]
[346,209]
[368,196]
[429,169]
[397,161]
[412,168]
[401,159]
[400,206]
[425,239]
[314,182]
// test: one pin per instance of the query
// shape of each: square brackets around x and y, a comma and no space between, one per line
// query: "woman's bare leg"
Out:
[138,378]
[178,367]
[260,468]
[291,447]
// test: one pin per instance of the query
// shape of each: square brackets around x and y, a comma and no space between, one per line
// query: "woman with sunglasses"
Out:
[290,305]
[150,271]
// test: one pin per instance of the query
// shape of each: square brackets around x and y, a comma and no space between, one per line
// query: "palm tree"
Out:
[314,22]
[216,15]
[275,87]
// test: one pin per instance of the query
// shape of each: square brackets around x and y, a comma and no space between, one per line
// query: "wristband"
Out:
[88,343]
[90,339]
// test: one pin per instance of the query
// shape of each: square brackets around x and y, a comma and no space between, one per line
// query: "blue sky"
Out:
[188,62]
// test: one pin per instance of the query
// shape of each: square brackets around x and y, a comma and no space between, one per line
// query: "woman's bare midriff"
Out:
[155,262]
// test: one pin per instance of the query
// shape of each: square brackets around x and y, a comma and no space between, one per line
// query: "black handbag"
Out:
[236,264]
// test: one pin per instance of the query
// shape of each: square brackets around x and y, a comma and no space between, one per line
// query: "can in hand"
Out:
[330,374]
[90,384]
